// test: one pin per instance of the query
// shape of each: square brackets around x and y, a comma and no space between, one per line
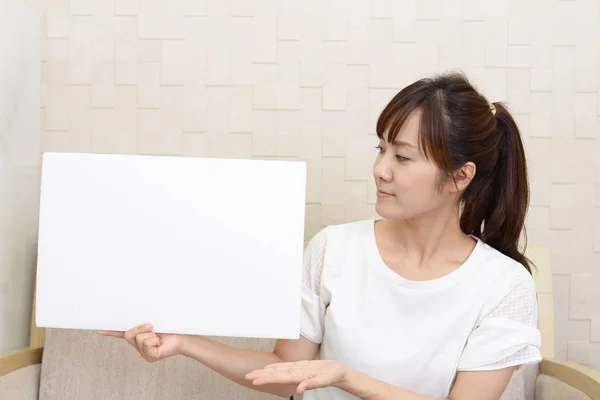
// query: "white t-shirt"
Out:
[414,334]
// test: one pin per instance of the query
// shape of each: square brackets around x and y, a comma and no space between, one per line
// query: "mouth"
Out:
[381,193]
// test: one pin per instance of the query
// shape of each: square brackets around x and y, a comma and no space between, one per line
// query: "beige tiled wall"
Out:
[19,167]
[306,79]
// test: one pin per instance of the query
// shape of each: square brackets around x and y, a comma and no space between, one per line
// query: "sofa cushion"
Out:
[522,383]
[548,388]
[84,365]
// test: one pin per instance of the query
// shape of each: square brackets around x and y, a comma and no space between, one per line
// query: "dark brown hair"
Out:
[459,125]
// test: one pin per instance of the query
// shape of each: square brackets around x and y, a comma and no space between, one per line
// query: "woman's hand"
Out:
[307,375]
[152,346]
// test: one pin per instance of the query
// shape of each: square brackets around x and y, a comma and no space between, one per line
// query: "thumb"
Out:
[319,381]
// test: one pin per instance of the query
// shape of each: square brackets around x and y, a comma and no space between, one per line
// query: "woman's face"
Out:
[407,182]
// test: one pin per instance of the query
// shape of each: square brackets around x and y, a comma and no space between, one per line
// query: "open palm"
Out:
[306,374]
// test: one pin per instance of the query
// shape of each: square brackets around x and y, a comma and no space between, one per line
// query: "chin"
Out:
[389,211]
[393,211]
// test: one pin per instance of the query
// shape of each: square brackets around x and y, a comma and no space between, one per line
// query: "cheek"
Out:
[416,193]
[417,182]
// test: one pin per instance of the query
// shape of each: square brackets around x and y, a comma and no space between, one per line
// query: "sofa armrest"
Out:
[14,360]
[582,378]
[20,374]
[22,384]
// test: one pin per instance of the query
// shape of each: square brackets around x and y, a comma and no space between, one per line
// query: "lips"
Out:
[382,193]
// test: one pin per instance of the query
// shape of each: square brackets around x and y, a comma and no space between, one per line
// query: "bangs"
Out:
[434,124]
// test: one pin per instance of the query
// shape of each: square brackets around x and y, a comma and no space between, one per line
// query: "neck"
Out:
[430,235]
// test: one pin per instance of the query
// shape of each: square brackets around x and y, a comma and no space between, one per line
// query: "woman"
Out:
[433,301]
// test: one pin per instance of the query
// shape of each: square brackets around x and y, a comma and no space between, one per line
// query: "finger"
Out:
[268,369]
[282,378]
[133,332]
[288,368]
[140,338]
[118,334]
[255,374]
[319,381]
[279,366]
[151,348]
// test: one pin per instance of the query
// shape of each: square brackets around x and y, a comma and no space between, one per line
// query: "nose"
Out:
[382,169]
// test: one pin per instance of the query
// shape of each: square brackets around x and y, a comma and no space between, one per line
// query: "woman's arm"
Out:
[235,364]
[308,375]
[480,385]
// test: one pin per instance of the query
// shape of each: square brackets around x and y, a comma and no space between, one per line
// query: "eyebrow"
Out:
[402,143]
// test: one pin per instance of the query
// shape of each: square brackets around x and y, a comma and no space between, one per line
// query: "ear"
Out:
[464,175]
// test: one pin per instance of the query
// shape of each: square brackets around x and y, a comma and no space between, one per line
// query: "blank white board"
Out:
[192,245]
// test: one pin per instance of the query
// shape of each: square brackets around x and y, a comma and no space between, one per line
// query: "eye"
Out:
[398,157]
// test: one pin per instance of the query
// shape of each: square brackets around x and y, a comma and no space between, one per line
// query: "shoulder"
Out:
[335,242]
[506,277]
[324,251]
[346,231]
[496,263]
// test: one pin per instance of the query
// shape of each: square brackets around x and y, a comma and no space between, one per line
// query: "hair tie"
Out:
[493,108]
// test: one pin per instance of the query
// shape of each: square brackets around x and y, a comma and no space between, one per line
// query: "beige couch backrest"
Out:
[83,365]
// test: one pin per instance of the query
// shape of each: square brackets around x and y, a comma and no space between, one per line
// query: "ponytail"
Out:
[495,208]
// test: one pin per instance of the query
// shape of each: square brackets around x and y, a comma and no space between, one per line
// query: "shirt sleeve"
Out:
[313,306]
[508,335]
